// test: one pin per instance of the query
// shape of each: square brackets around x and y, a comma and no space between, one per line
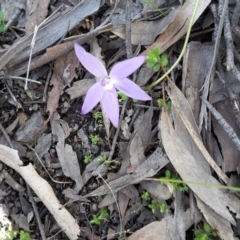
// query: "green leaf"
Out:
[198,234]
[164,60]
[156,51]
[167,174]
[103,214]
[150,63]
[168,106]
[24,235]
[156,67]
[160,102]
[95,220]
[207,228]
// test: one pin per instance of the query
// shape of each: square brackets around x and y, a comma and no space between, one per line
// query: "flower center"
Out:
[107,83]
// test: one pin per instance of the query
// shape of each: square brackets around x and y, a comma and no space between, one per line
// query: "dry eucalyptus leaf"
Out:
[65,67]
[67,157]
[177,222]
[32,126]
[229,150]
[145,32]
[21,119]
[187,127]
[196,66]
[54,94]
[157,189]
[80,88]
[223,227]
[48,35]
[43,190]
[84,138]
[147,169]
[21,221]
[189,164]
[136,151]
[11,182]
[155,230]
[43,144]
[144,128]
[179,26]
[36,11]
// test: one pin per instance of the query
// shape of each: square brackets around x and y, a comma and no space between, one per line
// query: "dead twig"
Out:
[20,78]
[6,136]
[229,43]
[226,127]
[31,199]
[210,76]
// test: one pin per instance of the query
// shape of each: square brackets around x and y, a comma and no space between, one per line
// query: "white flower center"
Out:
[107,83]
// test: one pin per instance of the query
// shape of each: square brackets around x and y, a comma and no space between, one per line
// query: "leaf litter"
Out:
[54,140]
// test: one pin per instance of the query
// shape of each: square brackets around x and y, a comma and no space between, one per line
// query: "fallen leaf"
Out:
[43,190]
[80,88]
[21,119]
[179,26]
[148,168]
[67,157]
[36,11]
[54,94]
[136,151]
[145,32]
[31,128]
[189,162]
[155,230]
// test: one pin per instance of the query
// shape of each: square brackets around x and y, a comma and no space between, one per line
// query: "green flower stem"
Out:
[182,52]
[205,184]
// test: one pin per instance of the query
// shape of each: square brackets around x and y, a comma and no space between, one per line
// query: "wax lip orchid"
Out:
[104,90]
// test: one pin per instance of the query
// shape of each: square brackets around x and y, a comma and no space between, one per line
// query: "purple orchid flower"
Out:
[104,90]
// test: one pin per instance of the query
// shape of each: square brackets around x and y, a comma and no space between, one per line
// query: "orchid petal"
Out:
[92,64]
[93,97]
[111,107]
[131,89]
[125,68]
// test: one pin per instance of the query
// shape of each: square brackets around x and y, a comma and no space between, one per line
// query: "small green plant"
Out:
[154,6]
[168,104]
[153,205]
[146,196]
[103,159]
[2,25]
[164,208]
[87,159]
[122,96]
[11,234]
[156,60]
[24,235]
[98,117]
[182,187]
[94,139]
[206,233]
[102,215]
